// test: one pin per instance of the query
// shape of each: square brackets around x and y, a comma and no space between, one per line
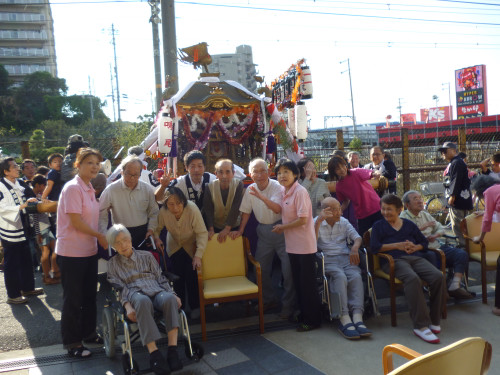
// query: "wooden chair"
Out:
[486,252]
[470,356]
[395,283]
[223,276]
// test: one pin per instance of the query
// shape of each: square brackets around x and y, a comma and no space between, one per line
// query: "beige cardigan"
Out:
[189,232]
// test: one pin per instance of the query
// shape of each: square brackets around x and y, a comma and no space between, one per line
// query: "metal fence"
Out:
[416,156]
[24,149]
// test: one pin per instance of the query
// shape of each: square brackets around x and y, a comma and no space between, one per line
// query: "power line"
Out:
[469,2]
[338,14]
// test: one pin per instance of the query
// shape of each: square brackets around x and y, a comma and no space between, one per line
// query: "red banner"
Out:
[436,114]
[408,118]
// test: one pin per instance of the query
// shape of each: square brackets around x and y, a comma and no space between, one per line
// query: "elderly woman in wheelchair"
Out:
[143,288]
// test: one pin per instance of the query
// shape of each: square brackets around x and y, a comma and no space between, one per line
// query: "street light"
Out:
[352,100]
[436,98]
[449,98]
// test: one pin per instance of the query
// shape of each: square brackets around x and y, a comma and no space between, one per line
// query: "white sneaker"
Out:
[427,335]
[435,329]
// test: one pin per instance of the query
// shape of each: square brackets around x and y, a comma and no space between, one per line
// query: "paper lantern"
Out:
[306,87]
[291,121]
[301,121]
[165,131]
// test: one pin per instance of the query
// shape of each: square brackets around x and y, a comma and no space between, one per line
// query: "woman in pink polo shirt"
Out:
[76,248]
[353,186]
[300,240]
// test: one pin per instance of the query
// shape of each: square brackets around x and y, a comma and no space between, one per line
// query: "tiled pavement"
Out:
[245,354]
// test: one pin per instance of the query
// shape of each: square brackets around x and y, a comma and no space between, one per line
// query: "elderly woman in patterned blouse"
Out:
[143,288]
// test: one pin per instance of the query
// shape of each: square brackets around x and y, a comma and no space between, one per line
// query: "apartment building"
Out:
[237,67]
[27,38]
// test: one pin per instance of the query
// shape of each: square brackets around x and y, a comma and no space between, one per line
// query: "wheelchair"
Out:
[114,313]
[330,301]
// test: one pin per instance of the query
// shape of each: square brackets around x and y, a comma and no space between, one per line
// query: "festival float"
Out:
[223,119]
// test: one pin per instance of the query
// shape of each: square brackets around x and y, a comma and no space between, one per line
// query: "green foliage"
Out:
[4,81]
[356,144]
[43,154]
[43,98]
[37,144]
[56,129]
[132,134]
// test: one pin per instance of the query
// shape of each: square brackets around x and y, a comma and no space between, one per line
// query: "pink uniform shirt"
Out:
[76,198]
[357,189]
[296,203]
[491,207]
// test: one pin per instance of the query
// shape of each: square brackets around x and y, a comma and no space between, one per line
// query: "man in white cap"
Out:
[457,184]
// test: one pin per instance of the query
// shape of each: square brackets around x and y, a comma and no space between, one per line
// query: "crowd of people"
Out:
[297,214]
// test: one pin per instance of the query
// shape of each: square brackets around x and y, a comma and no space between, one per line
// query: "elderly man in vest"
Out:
[15,195]
[193,184]
[457,259]
[264,197]
[221,204]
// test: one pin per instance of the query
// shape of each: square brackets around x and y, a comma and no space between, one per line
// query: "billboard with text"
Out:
[470,85]
[436,114]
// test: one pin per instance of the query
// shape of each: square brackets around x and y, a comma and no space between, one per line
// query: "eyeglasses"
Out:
[376,154]
[132,175]
[262,171]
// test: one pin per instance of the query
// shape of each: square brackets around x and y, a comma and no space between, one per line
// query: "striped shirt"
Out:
[139,273]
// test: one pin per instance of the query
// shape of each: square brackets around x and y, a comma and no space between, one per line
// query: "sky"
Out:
[400,53]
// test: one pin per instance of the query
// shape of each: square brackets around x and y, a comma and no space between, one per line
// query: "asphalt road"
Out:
[37,323]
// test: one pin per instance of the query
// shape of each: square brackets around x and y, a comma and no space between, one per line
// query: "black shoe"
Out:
[460,293]
[94,339]
[34,292]
[173,359]
[158,364]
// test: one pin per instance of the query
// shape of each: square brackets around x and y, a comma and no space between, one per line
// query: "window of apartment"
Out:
[29,52]
[26,69]
[23,34]
[26,17]
[22,1]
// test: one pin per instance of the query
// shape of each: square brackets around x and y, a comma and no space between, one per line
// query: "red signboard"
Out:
[470,84]
[436,114]
[408,118]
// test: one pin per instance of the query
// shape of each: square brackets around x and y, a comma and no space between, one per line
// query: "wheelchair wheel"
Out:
[197,351]
[435,206]
[108,331]
[127,369]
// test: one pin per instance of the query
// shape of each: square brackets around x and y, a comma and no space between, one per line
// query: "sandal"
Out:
[350,334]
[362,330]
[79,352]
[96,340]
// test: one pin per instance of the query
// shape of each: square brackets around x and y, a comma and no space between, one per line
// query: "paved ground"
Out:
[30,339]
[37,323]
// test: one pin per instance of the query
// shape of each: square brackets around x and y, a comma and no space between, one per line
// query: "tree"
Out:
[31,98]
[356,144]
[37,143]
[4,81]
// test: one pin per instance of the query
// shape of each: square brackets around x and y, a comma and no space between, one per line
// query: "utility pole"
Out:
[155,20]
[112,92]
[92,130]
[352,99]
[399,107]
[116,75]
[169,42]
